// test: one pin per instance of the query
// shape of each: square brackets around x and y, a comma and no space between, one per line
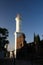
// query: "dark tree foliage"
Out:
[36,38]
[3,38]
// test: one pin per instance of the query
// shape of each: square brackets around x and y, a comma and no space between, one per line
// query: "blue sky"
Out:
[32,17]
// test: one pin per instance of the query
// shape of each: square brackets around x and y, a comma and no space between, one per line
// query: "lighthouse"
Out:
[18,30]
[18,23]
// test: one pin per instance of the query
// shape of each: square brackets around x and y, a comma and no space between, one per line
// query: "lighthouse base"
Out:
[19,42]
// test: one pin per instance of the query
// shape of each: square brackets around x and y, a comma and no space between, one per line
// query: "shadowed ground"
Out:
[12,61]
[7,61]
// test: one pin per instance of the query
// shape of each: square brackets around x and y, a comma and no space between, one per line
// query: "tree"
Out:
[3,39]
[36,43]
[36,38]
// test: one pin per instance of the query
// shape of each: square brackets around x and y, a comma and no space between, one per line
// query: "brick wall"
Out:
[20,41]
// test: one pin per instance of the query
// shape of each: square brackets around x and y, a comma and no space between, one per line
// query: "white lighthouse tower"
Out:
[18,23]
[18,30]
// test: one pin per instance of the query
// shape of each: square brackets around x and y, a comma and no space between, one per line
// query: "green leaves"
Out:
[3,37]
[4,31]
[36,38]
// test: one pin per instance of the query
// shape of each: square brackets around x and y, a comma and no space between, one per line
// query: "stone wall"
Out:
[20,41]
